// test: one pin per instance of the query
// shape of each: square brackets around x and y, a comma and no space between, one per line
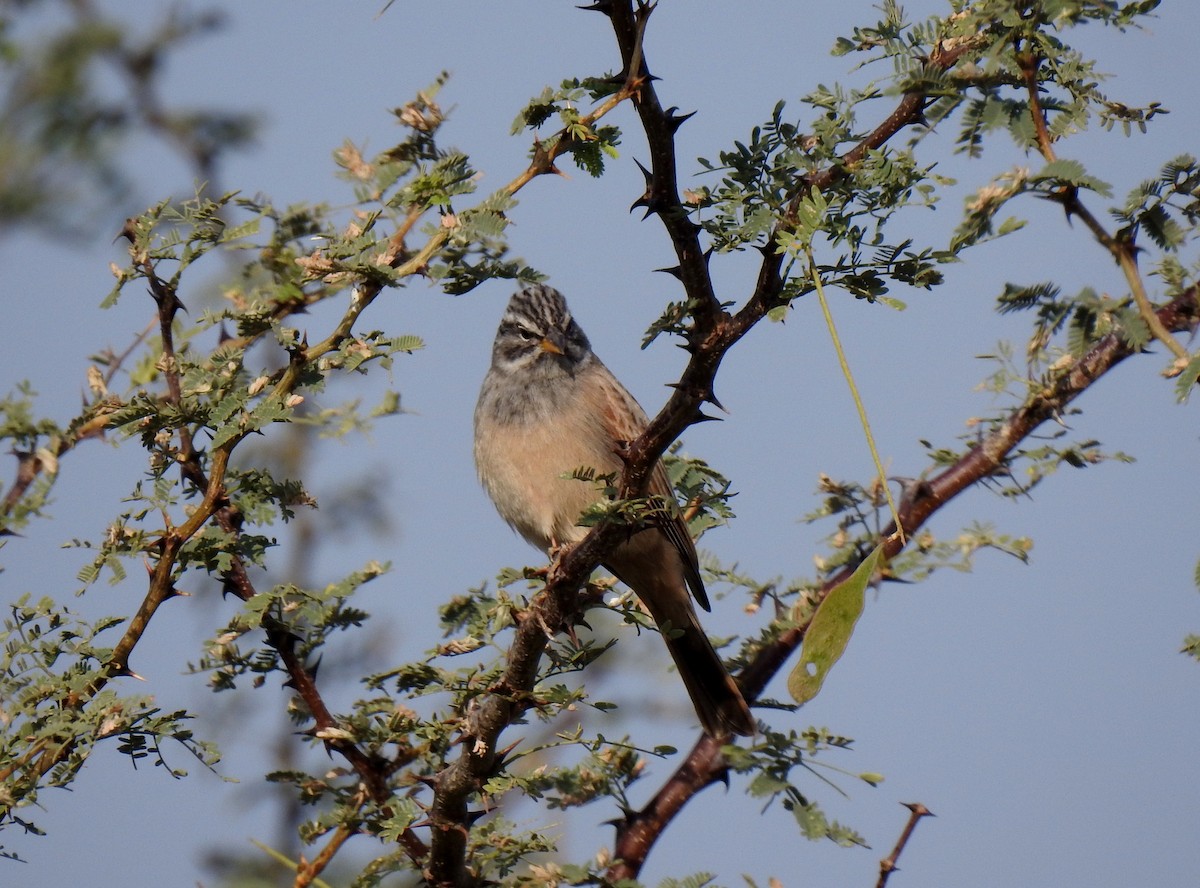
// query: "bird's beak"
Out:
[552,345]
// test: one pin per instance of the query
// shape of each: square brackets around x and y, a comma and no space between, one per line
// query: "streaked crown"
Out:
[538,325]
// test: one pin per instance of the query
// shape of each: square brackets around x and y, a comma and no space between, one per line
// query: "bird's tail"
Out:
[719,704]
[653,569]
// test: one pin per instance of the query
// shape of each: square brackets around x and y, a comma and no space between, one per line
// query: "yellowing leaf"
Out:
[830,630]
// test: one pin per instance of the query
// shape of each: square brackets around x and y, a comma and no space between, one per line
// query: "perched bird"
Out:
[549,406]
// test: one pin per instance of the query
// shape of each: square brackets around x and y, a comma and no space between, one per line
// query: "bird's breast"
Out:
[524,465]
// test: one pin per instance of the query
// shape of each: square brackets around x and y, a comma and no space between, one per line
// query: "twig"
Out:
[1122,249]
[662,191]
[909,111]
[215,505]
[887,866]
[1030,63]
[306,872]
[114,366]
[637,831]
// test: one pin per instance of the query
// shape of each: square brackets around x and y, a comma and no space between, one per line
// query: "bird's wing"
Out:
[624,420]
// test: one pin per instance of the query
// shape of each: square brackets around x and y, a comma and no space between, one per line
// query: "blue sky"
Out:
[1042,711]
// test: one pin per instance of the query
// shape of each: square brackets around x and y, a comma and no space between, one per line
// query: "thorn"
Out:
[122,670]
[127,230]
[918,809]
[223,336]
[675,271]
[601,6]
[628,816]
[724,775]
[648,194]
[646,173]
[473,816]
[502,753]
[711,398]
[637,82]
[652,204]
[704,417]
[282,640]
[675,121]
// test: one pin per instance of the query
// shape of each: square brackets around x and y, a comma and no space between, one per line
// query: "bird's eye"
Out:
[527,335]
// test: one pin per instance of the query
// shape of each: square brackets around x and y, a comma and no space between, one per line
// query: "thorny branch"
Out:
[308,871]
[637,831]
[454,785]
[714,333]
[887,866]
[91,423]
[554,610]
[1122,249]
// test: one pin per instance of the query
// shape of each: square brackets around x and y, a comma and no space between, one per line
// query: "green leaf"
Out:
[1009,225]
[1071,172]
[1191,646]
[830,631]
[1187,380]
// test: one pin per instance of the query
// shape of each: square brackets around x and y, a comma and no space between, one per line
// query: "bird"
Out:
[549,406]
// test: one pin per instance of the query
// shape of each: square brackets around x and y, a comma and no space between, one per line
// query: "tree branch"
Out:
[374,771]
[887,866]
[662,190]
[714,332]
[307,871]
[638,831]
[1122,249]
